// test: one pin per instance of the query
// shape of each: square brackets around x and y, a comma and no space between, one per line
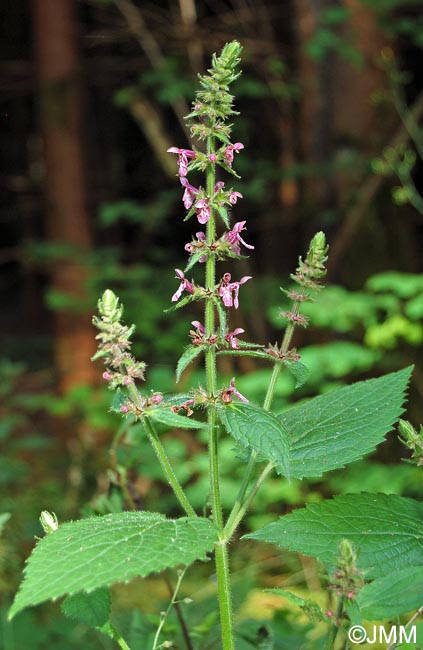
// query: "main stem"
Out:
[221,550]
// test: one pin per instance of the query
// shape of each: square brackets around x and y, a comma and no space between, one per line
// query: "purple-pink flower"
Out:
[231,337]
[199,326]
[189,194]
[183,155]
[185,285]
[229,152]
[234,238]
[229,291]
[202,210]
[227,393]
[234,196]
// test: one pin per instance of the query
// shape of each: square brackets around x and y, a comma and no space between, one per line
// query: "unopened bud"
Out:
[316,256]
[48,521]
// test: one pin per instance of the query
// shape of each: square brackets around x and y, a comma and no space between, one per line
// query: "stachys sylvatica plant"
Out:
[367,542]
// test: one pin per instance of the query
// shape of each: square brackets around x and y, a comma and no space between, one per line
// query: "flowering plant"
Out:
[82,559]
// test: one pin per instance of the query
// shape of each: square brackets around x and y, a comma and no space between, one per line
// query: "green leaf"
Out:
[119,399]
[92,609]
[309,607]
[181,303]
[257,429]
[246,353]
[395,594]
[193,260]
[385,530]
[223,214]
[353,611]
[171,419]
[344,425]
[222,317]
[96,552]
[188,355]
[299,371]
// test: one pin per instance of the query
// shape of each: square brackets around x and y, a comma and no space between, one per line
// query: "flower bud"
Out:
[49,521]
[316,256]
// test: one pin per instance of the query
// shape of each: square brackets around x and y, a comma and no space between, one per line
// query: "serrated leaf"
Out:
[337,428]
[395,594]
[97,552]
[181,303]
[229,169]
[353,611]
[310,608]
[119,399]
[223,213]
[92,609]
[171,419]
[257,429]
[222,317]
[247,353]
[193,260]
[385,530]
[191,353]
[299,371]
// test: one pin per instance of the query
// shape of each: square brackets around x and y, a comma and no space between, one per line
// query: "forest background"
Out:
[93,93]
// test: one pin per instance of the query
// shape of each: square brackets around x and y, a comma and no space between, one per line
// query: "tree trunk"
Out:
[67,218]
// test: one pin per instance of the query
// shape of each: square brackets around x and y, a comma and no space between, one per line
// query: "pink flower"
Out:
[227,288]
[229,152]
[156,398]
[234,196]
[212,157]
[107,376]
[189,194]
[185,284]
[219,185]
[202,209]
[232,390]
[231,337]
[199,326]
[234,238]
[183,155]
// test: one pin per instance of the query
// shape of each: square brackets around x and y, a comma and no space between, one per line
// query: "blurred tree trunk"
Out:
[67,219]
[337,115]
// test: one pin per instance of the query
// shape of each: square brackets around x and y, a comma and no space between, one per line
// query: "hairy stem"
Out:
[334,628]
[167,468]
[118,638]
[160,452]
[221,551]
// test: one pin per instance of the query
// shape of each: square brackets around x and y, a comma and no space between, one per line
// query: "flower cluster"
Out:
[413,440]
[308,275]
[211,109]
[347,579]
[114,348]
[208,122]
[115,344]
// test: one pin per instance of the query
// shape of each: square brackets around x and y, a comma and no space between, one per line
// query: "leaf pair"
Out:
[324,433]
